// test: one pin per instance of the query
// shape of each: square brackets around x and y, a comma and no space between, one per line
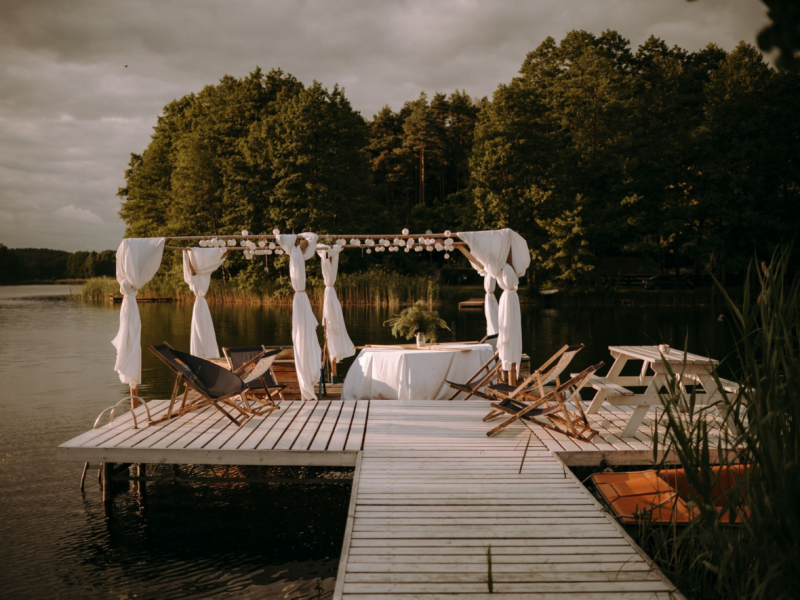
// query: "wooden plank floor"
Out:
[432,493]
[324,433]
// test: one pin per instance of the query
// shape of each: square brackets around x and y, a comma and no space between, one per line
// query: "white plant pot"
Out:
[421,342]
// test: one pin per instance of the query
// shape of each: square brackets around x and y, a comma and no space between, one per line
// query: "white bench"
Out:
[613,390]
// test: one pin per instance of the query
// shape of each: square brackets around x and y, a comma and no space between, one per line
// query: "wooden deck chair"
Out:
[553,407]
[254,365]
[541,381]
[214,384]
[482,377]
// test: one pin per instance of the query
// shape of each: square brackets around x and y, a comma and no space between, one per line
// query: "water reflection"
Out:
[191,540]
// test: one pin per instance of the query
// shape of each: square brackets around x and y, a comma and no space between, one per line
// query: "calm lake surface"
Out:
[205,540]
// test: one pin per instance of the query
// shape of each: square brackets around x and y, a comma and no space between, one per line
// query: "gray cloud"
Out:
[71,112]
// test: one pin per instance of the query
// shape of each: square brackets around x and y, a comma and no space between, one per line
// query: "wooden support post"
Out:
[512,374]
[334,375]
[141,472]
[108,470]
[134,392]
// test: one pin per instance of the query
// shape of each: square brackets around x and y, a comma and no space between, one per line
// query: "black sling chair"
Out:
[254,365]
[216,385]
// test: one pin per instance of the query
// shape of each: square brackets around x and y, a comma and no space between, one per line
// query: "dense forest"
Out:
[40,264]
[595,152]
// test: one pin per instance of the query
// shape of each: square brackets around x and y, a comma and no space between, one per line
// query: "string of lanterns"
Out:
[264,248]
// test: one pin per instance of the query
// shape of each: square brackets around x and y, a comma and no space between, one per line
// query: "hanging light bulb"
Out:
[408,249]
[429,248]
[279,251]
[405,231]
[446,256]
[401,243]
[341,242]
[353,241]
[202,243]
[245,232]
[439,247]
[369,251]
[276,232]
[418,248]
[261,243]
[447,233]
[267,251]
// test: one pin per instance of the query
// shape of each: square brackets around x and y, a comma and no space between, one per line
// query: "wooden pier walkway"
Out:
[322,434]
[431,493]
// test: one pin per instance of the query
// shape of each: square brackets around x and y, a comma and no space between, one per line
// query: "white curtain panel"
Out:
[307,353]
[340,345]
[204,261]
[494,249]
[138,260]
[490,305]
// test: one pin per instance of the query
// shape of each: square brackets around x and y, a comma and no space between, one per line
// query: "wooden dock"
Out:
[431,493]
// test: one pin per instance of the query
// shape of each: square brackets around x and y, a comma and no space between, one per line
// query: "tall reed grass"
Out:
[759,559]
[373,288]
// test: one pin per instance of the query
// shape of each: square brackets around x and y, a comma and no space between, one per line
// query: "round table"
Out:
[404,373]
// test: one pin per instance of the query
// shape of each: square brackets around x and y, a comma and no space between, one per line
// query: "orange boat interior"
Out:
[663,496]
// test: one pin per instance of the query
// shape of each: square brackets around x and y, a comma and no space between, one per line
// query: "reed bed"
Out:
[372,288]
[759,558]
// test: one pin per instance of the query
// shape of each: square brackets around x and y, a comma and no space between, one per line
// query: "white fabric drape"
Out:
[138,260]
[307,353]
[495,250]
[340,345]
[204,261]
[490,305]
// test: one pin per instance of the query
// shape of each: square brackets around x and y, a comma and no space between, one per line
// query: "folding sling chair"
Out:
[541,381]
[483,376]
[552,407]
[215,385]
[254,365]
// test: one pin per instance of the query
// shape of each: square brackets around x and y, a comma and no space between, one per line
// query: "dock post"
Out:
[108,470]
[141,473]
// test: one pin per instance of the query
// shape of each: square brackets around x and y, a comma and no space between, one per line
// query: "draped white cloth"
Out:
[411,374]
[504,255]
[339,344]
[490,305]
[138,260]
[204,261]
[307,353]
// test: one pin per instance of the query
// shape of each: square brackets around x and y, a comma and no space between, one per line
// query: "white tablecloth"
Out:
[411,374]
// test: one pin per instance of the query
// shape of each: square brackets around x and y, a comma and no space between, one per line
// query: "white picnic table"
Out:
[656,366]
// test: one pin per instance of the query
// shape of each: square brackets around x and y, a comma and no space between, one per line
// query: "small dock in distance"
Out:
[471,304]
[431,492]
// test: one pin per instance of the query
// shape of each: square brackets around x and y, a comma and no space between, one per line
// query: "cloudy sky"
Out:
[82,81]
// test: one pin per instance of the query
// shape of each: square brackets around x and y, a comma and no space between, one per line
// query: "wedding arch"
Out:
[500,256]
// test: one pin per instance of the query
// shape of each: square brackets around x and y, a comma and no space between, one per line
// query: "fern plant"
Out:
[417,319]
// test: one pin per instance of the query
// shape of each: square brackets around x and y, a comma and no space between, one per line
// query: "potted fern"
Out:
[417,321]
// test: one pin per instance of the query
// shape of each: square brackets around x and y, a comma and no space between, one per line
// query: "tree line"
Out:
[595,152]
[41,264]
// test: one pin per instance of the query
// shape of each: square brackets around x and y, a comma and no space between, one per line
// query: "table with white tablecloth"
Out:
[404,373]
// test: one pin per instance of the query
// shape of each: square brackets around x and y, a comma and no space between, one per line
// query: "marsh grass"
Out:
[759,558]
[371,288]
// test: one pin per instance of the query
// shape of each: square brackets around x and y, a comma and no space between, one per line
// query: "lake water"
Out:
[204,540]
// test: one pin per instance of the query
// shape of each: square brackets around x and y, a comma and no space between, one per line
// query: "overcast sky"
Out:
[82,81]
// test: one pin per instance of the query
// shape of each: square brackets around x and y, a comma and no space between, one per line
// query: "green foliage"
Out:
[42,264]
[417,319]
[758,560]
[683,159]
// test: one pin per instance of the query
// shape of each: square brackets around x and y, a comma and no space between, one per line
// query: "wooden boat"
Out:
[662,496]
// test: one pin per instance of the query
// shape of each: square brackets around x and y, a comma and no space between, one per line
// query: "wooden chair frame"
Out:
[474,384]
[554,409]
[532,388]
